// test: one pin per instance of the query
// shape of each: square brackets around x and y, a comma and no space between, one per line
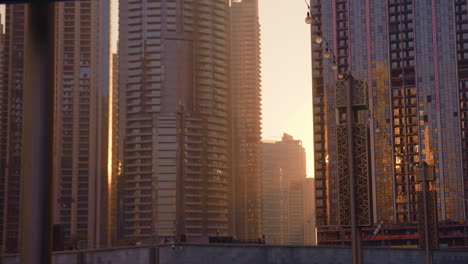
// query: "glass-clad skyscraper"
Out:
[413,54]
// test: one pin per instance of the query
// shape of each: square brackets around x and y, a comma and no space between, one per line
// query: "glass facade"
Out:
[411,54]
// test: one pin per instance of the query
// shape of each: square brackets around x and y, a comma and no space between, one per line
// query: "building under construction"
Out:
[418,112]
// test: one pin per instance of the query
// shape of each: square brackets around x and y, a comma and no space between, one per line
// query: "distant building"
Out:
[309,211]
[284,176]
[174,120]
[246,120]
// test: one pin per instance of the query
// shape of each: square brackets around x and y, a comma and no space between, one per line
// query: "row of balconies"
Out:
[144,225]
[132,195]
[133,187]
[143,211]
[410,130]
[399,111]
[134,204]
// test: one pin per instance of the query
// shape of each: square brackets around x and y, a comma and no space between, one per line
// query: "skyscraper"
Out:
[412,56]
[3,131]
[246,119]
[284,175]
[175,110]
[81,129]
[115,155]
[12,71]
[82,120]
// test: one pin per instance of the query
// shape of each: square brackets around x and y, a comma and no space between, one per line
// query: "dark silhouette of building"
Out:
[12,71]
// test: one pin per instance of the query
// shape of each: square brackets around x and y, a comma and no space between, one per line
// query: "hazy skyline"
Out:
[286,71]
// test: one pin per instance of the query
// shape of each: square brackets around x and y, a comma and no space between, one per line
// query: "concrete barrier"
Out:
[450,256]
[130,255]
[246,254]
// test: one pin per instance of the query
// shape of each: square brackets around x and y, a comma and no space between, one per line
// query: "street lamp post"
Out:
[352,159]
[428,233]
[426,218]
[355,232]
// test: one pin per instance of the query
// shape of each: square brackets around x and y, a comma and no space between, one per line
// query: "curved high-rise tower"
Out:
[174,119]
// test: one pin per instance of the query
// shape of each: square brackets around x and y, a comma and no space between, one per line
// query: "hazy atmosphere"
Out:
[234,131]
[286,72]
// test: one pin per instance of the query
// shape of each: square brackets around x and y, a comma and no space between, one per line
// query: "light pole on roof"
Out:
[355,230]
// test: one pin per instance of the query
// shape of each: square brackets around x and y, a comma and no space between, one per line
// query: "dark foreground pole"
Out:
[355,232]
[38,134]
[424,190]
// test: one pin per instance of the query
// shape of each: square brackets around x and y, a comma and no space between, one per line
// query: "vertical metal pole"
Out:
[355,244]
[38,134]
[358,244]
[426,215]
[179,225]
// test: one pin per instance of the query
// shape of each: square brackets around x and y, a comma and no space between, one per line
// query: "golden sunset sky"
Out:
[286,71]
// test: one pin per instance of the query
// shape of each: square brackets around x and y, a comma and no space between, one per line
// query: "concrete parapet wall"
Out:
[450,256]
[255,254]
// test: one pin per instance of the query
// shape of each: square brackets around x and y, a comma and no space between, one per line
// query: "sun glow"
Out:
[286,74]
[299,125]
